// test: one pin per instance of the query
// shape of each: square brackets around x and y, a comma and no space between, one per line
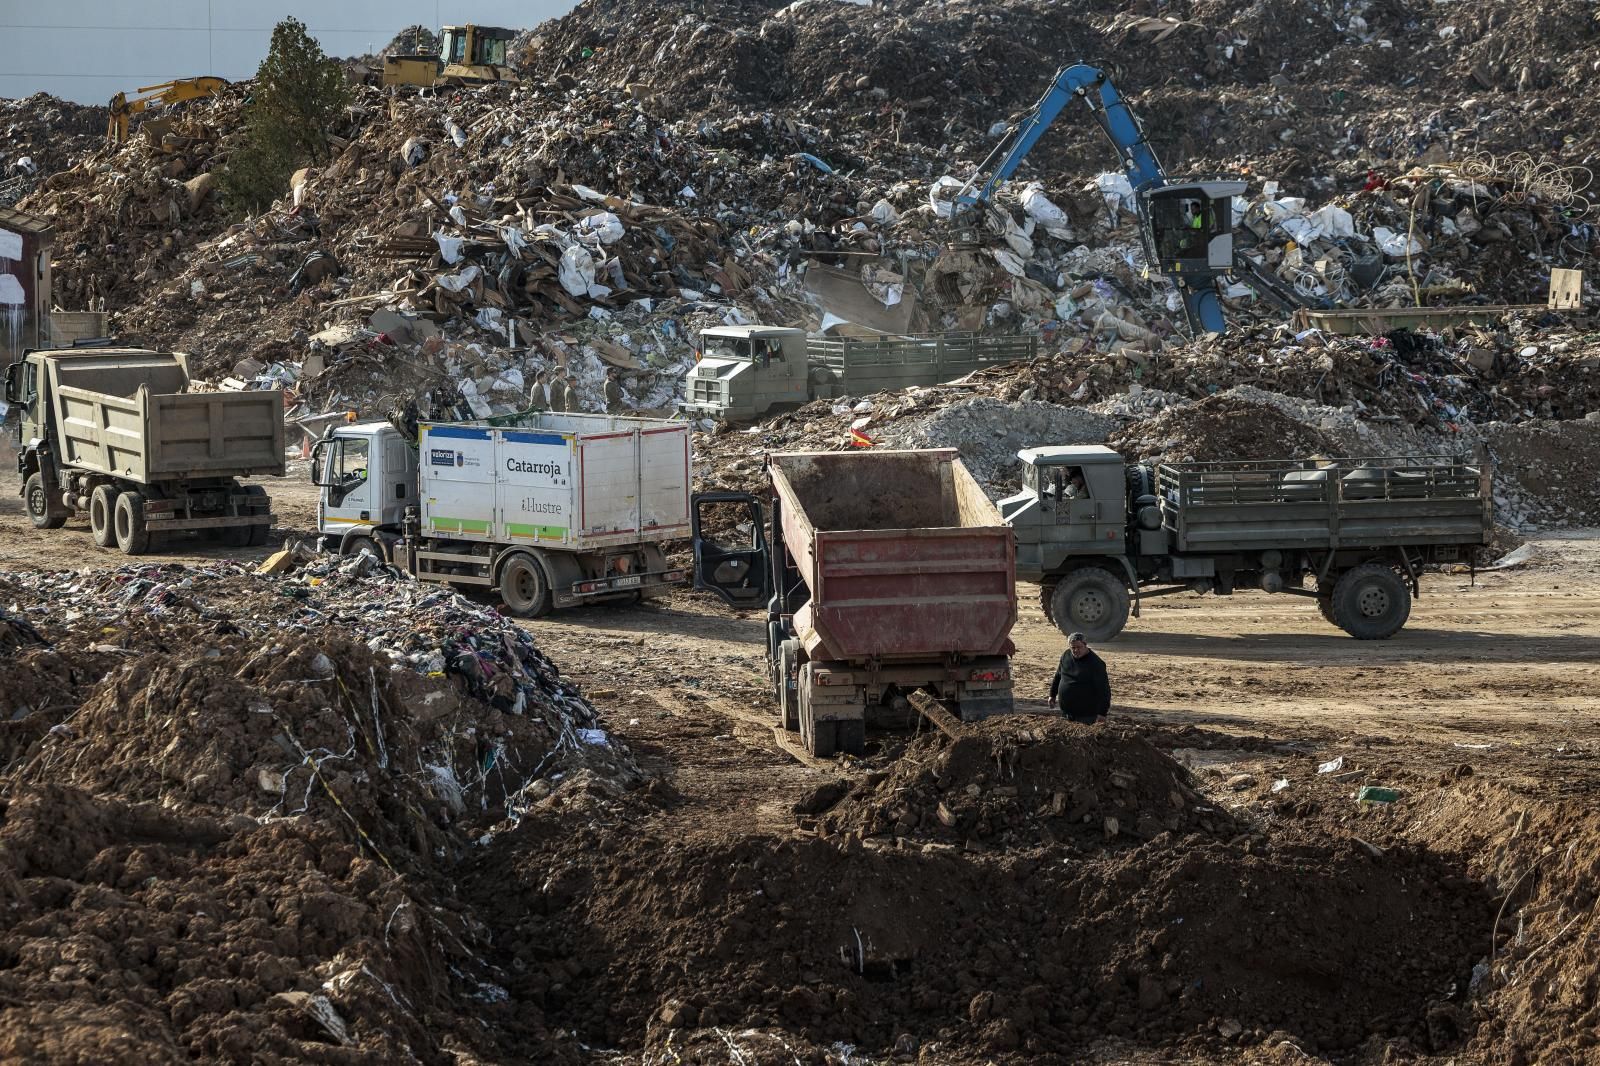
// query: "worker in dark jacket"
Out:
[1081,684]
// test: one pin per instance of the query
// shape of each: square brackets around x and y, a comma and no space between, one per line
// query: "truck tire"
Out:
[1371,601]
[355,545]
[128,518]
[43,511]
[1092,601]
[1047,593]
[523,587]
[788,697]
[850,736]
[102,516]
[1325,606]
[258,534]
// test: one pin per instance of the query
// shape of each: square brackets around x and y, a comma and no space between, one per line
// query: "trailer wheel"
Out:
[43,511]
[102,512]
[1371,602]
[523,587]
[1092,601]
[128,517]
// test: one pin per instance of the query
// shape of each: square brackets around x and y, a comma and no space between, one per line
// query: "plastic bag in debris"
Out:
[942,193]
[603,225]
[414,151]
[458,282]
[449,247]
[884,214]
[586,193]
[1012,262]
[814,161]
[515,240]
[457,134]
[1040,208]
[577,271]
[489,318]
[1395,245]
[458,215]
[1117,190]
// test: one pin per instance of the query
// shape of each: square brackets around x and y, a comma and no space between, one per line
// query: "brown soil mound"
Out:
[630,938]
[1221,428]
[1033,782]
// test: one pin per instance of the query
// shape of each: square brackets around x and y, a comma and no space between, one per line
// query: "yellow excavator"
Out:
[469,55]
[168,92]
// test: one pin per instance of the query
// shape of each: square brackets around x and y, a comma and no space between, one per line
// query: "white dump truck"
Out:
[552,510]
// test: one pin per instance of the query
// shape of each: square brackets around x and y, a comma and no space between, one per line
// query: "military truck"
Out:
[114,431]
[746,371]
[1097,533]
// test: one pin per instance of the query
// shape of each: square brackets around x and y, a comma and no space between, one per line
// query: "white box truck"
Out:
[552,510]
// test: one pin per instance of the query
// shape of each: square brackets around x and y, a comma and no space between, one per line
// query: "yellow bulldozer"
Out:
[469,55]
[168,92]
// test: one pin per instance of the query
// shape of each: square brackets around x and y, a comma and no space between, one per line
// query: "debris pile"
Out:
[41,135]
[234,804]
[1218,428]
[1030,782]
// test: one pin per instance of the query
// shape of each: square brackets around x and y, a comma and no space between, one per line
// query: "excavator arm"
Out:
[1187,228]
[168,92]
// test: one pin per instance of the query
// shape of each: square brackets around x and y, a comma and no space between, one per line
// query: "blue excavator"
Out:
[1187,228]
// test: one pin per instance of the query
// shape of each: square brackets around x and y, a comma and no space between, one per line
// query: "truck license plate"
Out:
[627,582]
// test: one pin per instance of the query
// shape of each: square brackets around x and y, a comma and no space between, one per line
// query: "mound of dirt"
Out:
[1030,782]
[232,834]
[1221,428]
[646,939]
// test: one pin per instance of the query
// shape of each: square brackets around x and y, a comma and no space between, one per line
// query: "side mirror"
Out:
[12,373]
[317,463]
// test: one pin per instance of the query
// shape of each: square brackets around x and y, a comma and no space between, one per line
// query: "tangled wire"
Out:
[1524,179]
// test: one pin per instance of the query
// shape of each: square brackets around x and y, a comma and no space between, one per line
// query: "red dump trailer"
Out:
[883,573]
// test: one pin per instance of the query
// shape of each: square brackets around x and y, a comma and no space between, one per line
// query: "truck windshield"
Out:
[728,348]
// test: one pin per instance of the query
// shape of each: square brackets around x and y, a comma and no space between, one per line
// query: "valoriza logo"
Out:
[442,457]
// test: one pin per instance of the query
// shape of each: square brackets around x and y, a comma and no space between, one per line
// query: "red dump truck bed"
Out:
[904,556]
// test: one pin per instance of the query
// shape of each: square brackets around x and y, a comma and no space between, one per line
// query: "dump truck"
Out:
[745,371]
[1096,532]
[114,432]
[550,510]
[883,574]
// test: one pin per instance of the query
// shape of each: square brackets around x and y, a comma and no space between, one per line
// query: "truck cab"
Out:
[368,475]
[1073,502]
[745,371]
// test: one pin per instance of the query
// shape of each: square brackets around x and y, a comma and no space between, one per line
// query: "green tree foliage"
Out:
[298,95]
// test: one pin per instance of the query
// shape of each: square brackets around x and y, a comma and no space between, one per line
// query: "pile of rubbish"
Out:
[40,135]
[234,804]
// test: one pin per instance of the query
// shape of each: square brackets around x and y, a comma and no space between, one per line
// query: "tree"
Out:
[298,95]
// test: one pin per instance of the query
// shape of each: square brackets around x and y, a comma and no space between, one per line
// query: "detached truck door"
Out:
[535,487]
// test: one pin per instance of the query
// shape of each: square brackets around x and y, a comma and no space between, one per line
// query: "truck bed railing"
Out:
[1428,477]
[931,350]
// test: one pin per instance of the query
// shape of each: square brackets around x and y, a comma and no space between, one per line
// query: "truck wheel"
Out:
[356,545]
[1371,602]
[523,588]
[1047,593]
[1325,606]
[788,709]
[258,534]
[1092,601]
[43,511]
[132,536]
[850,736]
[102,516]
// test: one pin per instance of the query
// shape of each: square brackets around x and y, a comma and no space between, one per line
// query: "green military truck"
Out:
[114,432]
[746,371]
[1097,533]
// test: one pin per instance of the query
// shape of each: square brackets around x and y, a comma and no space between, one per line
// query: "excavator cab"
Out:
[1188,228]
